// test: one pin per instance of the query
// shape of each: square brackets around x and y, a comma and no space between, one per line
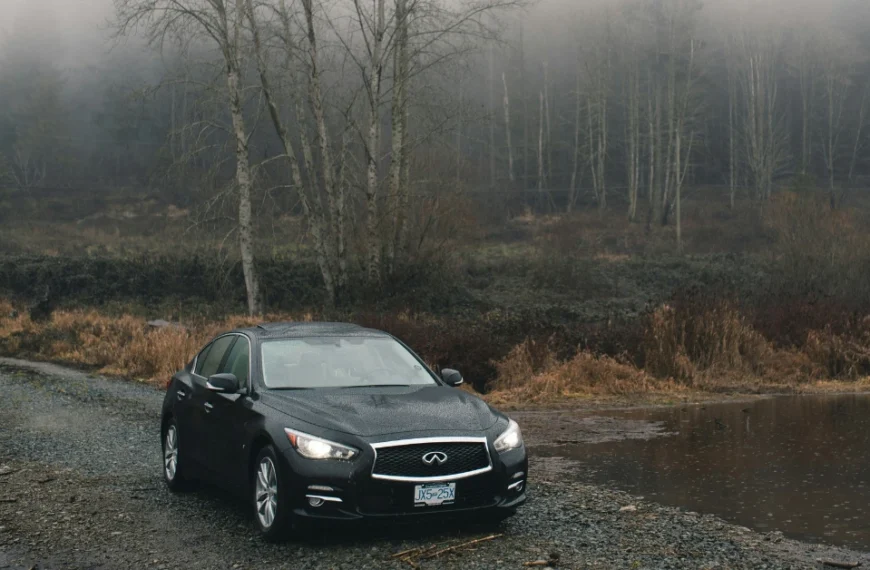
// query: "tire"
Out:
[272,513]
[174,467]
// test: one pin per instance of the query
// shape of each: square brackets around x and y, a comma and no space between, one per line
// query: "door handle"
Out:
[208,407]
[181,394]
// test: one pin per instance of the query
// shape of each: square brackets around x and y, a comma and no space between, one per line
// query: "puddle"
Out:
[800,465]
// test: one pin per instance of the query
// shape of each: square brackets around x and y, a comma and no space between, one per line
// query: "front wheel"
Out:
[271,506]
[174,467]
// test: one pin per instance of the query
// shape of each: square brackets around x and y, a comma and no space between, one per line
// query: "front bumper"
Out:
[346,491]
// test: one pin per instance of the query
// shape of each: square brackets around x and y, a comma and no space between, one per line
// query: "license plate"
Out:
[434,494]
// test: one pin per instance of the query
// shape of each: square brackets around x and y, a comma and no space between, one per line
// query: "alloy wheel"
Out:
[267,492]
[170,453]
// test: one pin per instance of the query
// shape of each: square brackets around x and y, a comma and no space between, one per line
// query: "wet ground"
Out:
[80,488]
[799,465]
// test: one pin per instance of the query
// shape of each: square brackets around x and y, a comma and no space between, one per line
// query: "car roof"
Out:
[311,329]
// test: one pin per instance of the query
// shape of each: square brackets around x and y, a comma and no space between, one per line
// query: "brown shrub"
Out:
[522,363]
[680,342]
[844,355]
[586,374]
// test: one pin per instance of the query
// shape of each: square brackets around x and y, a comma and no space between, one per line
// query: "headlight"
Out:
[316,448]
[512,438]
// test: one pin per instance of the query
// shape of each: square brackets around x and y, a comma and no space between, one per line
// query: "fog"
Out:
[107,116]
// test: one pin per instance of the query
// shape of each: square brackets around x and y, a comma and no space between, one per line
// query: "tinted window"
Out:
[238,362]
[200,360]
[215,356]
[338,362]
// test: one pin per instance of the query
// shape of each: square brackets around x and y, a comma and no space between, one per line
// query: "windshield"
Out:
[340,362]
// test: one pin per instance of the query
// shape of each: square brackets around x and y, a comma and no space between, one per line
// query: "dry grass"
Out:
[689,352]
[119,346]
[714,351]
[845,355]
[531,374]
[683,342]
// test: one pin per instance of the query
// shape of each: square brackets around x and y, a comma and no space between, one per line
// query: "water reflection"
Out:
[800,465]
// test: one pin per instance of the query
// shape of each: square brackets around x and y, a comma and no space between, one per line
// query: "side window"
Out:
[215,356]
[200,360]
[238,362]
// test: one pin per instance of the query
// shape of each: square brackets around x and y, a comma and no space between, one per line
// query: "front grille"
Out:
[407,460]
[385,497]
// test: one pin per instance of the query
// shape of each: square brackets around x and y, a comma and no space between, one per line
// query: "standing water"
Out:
[800,465]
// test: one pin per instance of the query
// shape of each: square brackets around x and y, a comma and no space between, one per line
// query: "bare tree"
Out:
[807,71]
[221,23]
[399,160]
[860,125]
[374,31]
[632,106]
[764,137]
[733,165]
[578,118]
[492,118]
[328,245]
[598,69]
[507,127]
[836,82]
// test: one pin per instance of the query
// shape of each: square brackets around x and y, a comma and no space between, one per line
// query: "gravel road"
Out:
[80,487]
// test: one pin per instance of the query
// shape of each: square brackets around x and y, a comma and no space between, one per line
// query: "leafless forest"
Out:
[554,162]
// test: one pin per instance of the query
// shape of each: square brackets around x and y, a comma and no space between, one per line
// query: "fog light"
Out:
[315,501]
[518,486]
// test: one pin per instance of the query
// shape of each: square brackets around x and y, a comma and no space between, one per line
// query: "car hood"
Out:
[371,412]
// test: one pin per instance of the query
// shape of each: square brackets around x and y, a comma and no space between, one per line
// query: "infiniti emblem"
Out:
[435,458]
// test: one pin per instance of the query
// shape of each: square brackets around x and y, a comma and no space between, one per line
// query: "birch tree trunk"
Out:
[633,139]
[311,208]
[525,104]
[835,84]
[541,179]
[244,178]
[732,159]
[492,107]
[548,144]
[398,160]
[244,182]
[859,131]
[376,69]
[507,126]
[578,112]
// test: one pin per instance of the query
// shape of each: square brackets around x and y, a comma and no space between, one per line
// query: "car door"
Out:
[183,408]
[228,415]
[199,409]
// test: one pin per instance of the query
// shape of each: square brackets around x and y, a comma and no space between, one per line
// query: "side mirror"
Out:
[451,377]
[223,383]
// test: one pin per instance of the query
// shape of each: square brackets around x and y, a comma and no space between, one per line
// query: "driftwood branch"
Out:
[458,546]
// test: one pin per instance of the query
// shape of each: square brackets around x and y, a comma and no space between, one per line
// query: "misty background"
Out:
[85,105]
[378,142]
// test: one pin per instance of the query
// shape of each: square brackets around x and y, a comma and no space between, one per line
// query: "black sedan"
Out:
[335,422]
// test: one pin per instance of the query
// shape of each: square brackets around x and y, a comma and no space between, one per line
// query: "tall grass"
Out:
[682,341]
[686,347]
[120,346]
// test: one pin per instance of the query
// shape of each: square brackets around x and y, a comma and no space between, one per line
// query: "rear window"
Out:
[340,362]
